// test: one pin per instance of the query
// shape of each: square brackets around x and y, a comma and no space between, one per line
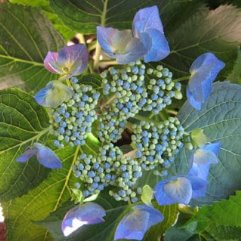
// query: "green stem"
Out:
[182,78]
[98,48]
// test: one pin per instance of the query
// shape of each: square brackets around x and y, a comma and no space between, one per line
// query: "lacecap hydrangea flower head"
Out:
[127,91]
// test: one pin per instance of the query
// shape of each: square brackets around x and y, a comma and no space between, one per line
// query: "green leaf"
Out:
[35,3]
[219,221]
[22,122]
[170,214]
[235,74]
[220,118]
[84,16]
[216,31]
[21,213]
[225,212]
[26,37]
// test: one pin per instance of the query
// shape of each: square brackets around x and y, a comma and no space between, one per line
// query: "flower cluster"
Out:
[127,91]
[109,168]
[73,119]
[157,144]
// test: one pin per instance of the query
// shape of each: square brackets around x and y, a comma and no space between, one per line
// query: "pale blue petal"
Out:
[145,19]
[176,190]
[120,44]
[88,213]
[137,222]
[204,71]
[53,95]
[47,157]
[157,45]
[27,155]
[199,187]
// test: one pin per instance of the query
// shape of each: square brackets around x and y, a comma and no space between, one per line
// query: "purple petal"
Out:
[27,155]
[136,223]
[199,187]
[157,45]
[88,213]
[51,63]
[53,95]
[69,61]
[145,19]
[204,71]
[74,59]
[176,190]
[47,157]
[120,44]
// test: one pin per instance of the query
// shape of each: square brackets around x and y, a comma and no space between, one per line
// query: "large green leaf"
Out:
[58,24]
[35,3]
[21,213]
[85,15]
[220,118]
[220,221]
[26,37]
[22,122]
[216,31]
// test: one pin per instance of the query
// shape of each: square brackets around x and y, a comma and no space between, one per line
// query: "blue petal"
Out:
[199,187]
[204,71]
[40,97]
[201,170]
[145,19]
[47,157]
[176,190]
[120,44]
[213,147]
[88,213]
[157,45]
[27,155]
[53,95]
[147,26]
[135,224]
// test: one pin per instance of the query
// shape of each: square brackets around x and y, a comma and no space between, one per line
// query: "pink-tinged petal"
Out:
[51,63]
[137,222]
[88,213]
[47,157]
[69,61]
[145,19]
[27,155]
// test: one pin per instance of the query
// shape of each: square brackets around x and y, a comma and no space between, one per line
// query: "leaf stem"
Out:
[98,48]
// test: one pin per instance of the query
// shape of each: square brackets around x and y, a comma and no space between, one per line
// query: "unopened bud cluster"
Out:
[73,119]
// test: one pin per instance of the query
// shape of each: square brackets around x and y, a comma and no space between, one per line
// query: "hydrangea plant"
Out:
[124,134]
